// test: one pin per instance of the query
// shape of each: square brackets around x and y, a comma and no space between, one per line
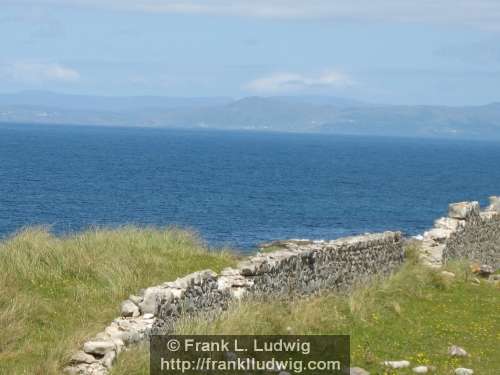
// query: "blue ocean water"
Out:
[235,188]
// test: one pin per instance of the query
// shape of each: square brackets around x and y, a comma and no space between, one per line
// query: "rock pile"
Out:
[479,239]
[99,354]
[467,232]
[434,240]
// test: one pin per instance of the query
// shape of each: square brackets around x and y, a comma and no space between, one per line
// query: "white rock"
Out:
[75,370]
[148,305]
[463,210]
[438,234]
[457,351]
[82,357]
[421,370]
[148,316]
[136,299]
[358,371]
[98,347]
[129,309]
[96,369]
[101,336]
[494,204]
[230,272]
[137,325]
[448,274]
[177,293]
[116,333]
[238,293]
[464,371]
[397,364]
[447,223]
[119,345]
[488,215]
[226,282]
[109,359]
[128,337]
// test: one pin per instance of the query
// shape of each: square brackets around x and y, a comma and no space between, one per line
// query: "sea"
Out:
[236,189]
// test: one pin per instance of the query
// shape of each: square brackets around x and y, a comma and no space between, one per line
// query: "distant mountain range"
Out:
[292,114]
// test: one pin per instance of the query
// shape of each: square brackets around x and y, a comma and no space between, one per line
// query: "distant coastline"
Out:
[326,115]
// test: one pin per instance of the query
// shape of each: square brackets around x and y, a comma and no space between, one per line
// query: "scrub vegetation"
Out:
[55,292]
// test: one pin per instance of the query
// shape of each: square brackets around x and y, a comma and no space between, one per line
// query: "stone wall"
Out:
[478,239]
[304,267]
[467,233]
[298,267]
[301,267]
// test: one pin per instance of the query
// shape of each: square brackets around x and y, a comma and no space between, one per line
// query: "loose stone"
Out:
[463,210]
[421,370]
[397,364]
[464,371]
[109,359]
[82,357]
[136,299]
[129,309]
[457,351]
[98,347]
[358,371]
[448,274]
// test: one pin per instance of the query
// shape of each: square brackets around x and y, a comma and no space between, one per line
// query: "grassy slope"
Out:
[414,315]
[55,292]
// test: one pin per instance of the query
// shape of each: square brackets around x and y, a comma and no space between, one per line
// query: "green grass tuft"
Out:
[58,291]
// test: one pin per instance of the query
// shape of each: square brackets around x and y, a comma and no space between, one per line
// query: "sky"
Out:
[440,52]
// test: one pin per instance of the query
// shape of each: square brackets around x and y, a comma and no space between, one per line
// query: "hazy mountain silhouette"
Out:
[281,113]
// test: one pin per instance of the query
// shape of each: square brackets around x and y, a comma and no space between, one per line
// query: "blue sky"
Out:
[401,52]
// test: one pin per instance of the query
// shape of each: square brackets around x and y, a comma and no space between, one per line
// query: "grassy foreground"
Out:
[57,291]
[415,315]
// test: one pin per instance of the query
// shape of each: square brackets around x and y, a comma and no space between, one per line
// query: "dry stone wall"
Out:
[467,233]
[304,267]
[299,267]
[479,239]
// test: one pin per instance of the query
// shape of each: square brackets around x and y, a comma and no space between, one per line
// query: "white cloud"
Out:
[477,13]
[38,72]
[293,82]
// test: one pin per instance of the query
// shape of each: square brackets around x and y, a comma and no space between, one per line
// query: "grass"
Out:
[414,315]
[57,291]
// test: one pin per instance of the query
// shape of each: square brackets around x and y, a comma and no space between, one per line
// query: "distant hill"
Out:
[297,114]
